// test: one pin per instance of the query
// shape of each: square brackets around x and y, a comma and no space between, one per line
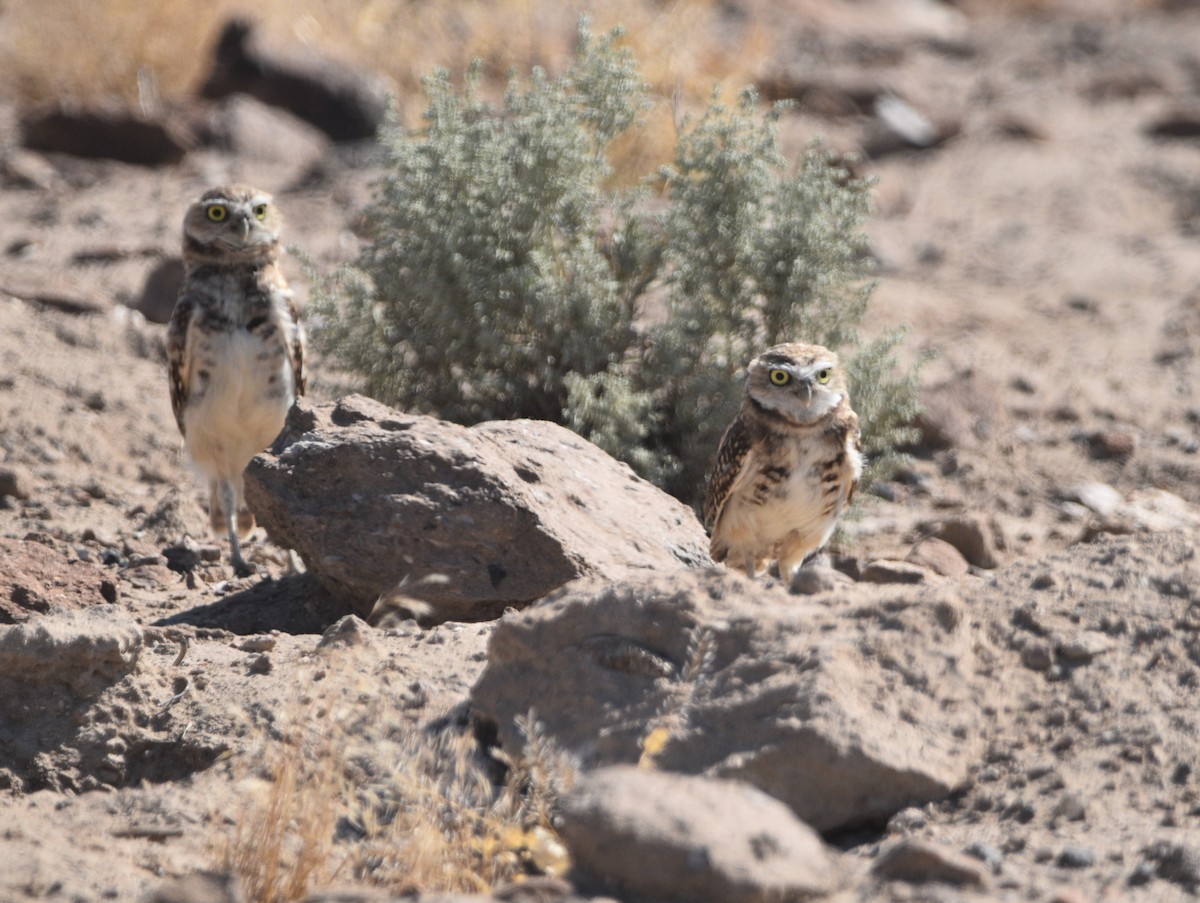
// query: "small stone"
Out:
[919,861]
[1112,445]
[182,557]
[1045,580]
[1098,497]
[261,664]
[884,570]
[1083,649]
[1037,656]
[973,538]
[812,579]
[348,631]
[938,556]
[15,482]
[1076,858]
[257,644]
[987,854]
[1071,807]
[907,820]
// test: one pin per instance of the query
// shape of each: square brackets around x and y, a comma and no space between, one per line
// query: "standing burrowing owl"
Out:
[235,348]
[788,464]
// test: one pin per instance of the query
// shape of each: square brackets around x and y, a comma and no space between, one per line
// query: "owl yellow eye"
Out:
[780,377]
[823,376]
[260,211]
[216,212]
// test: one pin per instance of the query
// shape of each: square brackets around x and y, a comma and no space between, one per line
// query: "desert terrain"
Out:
[1024,597]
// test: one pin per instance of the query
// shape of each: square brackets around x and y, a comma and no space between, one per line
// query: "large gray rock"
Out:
[677,837]
[846,715]
[458,523]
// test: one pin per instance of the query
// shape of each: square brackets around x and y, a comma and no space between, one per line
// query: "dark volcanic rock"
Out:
[467,521]
[114,134]
[345,103]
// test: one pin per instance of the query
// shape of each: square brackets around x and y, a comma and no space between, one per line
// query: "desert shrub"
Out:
[507,277]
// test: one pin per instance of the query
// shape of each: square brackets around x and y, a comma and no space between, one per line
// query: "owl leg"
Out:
[245,517]
[216,513]
[229,502]
[792,557]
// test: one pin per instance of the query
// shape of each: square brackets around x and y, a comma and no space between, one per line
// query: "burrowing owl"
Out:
[788,464]
[235,347]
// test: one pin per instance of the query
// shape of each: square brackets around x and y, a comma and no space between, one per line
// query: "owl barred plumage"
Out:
[789,463]
[235,347]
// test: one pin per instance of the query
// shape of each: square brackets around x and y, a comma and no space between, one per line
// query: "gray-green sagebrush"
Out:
[507,277]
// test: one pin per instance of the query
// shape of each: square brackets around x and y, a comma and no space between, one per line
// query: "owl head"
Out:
[800,382]
[231,224]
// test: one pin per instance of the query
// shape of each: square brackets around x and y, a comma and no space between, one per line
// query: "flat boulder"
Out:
[847,706]
[458,523]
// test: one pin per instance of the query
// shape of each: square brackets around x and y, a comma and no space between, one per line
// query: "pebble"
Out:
[1076,858]
[885,570]
[15,482]
[917,861]
[1037,656]
[1070,806]
[987,854]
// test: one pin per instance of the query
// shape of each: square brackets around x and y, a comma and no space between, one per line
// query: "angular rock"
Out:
[114,134]
[85,651]
[15,482]
[469,521]
[973,538]
[1098,497]
[960,411]
[938,556]
[707,673]
[919,861]
[343,102]
[819,578]
[884,570]
[663,836]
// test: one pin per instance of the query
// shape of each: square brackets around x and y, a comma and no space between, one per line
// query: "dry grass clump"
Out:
[349,796]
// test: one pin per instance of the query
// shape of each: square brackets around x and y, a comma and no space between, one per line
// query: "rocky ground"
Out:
[1000,704]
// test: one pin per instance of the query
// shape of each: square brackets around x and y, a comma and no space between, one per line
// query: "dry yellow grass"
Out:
[138,51]
[350,794]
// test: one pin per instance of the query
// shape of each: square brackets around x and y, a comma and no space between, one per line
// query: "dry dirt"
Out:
[1045,251]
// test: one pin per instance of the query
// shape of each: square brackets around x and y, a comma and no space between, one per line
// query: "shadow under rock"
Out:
[296,604]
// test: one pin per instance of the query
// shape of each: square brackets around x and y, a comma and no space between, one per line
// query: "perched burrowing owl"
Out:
[789,463]
[235,348]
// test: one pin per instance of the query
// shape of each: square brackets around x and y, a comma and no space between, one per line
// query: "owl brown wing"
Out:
[731,461]
[296,351]
[845,425]
[177,335]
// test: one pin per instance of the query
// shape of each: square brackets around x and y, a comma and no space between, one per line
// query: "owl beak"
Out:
[807,385]
[243,226]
